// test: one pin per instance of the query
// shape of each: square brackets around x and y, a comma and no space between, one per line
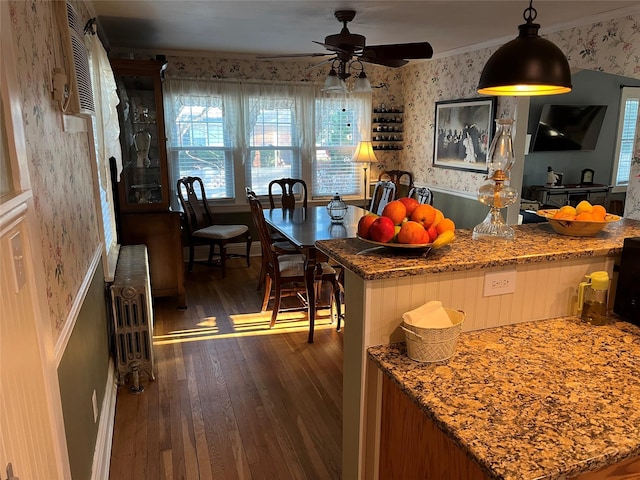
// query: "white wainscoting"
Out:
[543,290]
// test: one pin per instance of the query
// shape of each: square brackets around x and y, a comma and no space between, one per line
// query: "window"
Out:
[200,148]
[273,142]
[336,137]
[236,135]
[626,134]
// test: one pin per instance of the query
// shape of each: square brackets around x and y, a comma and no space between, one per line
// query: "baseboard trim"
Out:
[102,452]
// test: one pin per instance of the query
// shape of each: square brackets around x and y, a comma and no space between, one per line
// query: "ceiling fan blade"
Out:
[333,48]
[292,55]
[387,62]
[328,60]
[399,50]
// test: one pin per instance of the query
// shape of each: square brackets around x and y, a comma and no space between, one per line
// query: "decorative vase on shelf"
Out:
[337,208]
[496,192]
[142,142]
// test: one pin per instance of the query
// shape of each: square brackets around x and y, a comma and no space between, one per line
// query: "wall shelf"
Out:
[387,130]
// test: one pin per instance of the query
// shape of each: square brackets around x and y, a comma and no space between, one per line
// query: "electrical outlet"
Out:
[94,402]
[499,283]
[60,85]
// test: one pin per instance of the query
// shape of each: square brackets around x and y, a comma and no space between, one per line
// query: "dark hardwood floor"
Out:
[233,399]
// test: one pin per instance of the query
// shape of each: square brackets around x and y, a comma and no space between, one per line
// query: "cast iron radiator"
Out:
[133,316]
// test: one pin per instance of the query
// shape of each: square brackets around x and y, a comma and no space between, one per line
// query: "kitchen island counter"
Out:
[541,268]
[539,400]
[534,243]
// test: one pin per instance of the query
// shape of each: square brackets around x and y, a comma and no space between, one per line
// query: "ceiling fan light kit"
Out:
[526,66]
[349,50]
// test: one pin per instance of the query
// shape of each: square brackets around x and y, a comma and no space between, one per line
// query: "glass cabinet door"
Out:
[144,180]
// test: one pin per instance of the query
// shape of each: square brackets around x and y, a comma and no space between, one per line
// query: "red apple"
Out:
[365,223]
[382,230]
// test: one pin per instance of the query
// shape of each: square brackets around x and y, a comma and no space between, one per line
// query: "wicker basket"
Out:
[433,344]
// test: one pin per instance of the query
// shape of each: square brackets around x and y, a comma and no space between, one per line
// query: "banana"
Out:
[443,239]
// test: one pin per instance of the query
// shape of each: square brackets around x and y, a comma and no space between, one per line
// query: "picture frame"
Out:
[463,132]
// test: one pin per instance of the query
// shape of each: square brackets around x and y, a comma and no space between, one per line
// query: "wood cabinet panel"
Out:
[161,233]
[413,446]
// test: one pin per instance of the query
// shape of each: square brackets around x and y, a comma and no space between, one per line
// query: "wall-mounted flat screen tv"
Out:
[568,127]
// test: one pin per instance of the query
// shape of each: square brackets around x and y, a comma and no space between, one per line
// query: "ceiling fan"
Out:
[346,47]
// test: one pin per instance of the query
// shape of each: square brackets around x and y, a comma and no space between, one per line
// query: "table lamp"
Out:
[364,154]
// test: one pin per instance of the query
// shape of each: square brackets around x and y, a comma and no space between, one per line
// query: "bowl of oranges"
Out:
[583,220]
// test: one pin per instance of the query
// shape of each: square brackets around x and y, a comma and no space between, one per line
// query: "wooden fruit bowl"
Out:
[577,228]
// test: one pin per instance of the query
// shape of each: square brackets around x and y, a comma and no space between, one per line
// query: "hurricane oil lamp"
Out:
[496,192]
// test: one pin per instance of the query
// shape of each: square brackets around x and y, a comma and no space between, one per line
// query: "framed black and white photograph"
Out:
[464,129]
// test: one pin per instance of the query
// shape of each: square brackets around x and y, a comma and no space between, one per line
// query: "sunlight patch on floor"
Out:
[246,324]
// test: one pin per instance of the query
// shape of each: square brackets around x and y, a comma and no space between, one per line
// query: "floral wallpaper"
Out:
[59,162]
[612,46]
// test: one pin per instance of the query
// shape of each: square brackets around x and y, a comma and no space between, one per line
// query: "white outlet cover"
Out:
[499,283]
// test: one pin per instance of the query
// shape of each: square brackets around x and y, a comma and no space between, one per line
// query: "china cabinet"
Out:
[144,214]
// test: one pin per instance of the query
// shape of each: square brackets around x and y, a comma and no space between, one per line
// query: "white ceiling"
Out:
[246,27]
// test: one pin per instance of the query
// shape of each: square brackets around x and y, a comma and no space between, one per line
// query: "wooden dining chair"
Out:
[402,179]
[288,269]
[291,192]
[280,244]
[383,192]
[422,194]
[201,228]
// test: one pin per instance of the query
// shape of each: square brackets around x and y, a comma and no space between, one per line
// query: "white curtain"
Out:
[303,95]
[105,99]
[238,98]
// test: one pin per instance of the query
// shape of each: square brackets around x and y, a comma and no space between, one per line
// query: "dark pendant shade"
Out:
[526,66]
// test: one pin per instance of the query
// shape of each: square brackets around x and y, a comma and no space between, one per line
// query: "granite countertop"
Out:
[539,400]
[533,243]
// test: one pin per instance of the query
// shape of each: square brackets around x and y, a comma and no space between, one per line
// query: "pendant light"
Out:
[526,66]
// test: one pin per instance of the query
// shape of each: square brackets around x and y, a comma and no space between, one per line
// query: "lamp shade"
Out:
[334,84]
[362,84]
[526,66]
[364,153]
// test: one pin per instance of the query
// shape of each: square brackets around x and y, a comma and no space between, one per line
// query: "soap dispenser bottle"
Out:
[593,297]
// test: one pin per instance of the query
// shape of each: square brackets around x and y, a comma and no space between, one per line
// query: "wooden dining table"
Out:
[303,227]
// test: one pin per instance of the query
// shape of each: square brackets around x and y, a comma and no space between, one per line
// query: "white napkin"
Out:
[429,315]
